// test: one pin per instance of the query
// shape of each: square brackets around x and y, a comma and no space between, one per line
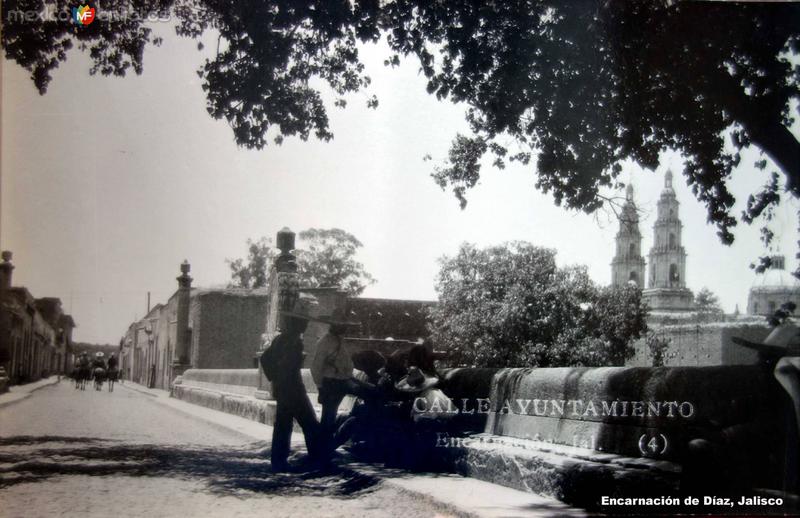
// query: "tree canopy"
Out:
[571,89]
[326,259]
[511,305]
[707,305]
[252,271]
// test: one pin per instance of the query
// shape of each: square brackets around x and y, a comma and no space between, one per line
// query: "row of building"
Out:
[224,328]
[35,333]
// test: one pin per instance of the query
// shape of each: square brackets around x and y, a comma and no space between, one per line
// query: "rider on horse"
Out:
[99,370]
[113,372]
[84,371]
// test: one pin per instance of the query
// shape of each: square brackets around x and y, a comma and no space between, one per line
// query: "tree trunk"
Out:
[763,126]
[782,147]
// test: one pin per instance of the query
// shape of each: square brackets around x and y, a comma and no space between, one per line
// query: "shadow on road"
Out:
[231,471]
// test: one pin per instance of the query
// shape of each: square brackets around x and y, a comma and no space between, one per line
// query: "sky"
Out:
[108,184]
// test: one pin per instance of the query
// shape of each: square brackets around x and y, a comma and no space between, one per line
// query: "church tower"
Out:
[667,276]
[628,263]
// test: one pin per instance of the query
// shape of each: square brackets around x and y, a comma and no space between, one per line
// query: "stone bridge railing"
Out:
[578,432]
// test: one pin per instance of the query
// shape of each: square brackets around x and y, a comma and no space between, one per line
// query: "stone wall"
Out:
[610,408]
[226,327]
[702,344]
[581,433]
[395,318]
[575,433]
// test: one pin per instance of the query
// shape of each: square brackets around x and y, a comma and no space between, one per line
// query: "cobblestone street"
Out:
[69,452]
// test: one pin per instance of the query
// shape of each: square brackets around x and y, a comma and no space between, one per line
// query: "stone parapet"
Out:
[573,475]
[573,433]
[235,391]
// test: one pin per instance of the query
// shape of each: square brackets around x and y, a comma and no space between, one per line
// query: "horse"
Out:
[84,375]
[112,375]
[99,377]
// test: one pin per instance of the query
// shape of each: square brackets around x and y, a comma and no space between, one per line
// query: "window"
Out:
[672,241]
[634,277]
[673,273]
[632,250]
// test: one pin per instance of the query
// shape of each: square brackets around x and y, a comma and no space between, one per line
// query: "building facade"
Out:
[35,334]
[198,328]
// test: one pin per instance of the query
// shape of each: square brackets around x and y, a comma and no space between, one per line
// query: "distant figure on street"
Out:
[112,374]
[99,370]
[112,362]
[84,370]
[281,362]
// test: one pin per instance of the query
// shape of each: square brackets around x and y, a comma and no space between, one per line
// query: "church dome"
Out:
[776,278]
[773,288]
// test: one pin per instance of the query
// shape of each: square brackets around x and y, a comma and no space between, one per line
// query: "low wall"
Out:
[580,433]
[575,433]
[233,391]
[608,409]
[632,411]
[234,381]
[702,344]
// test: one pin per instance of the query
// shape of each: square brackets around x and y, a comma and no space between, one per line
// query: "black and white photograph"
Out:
[419,258]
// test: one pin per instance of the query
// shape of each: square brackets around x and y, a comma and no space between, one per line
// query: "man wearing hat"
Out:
[282,362]
[781,348]
[332,370]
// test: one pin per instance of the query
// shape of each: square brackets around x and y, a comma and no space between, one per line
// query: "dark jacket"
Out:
[287,356]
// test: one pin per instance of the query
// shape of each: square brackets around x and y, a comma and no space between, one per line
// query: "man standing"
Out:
[281,363]
[332,370]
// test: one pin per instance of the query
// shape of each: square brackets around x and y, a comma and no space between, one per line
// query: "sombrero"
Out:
[416,381]
[337,318]
[99,354]
[784,340]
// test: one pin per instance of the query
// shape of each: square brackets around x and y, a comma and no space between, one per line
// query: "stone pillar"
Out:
[183,348]
[282,286]
[6,268]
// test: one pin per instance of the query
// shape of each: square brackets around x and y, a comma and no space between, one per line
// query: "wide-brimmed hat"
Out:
[305,306]
[337,318]
[784,340]
[416,381]
[99,354]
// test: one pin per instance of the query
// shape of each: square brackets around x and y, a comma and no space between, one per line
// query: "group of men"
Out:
[332,369]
